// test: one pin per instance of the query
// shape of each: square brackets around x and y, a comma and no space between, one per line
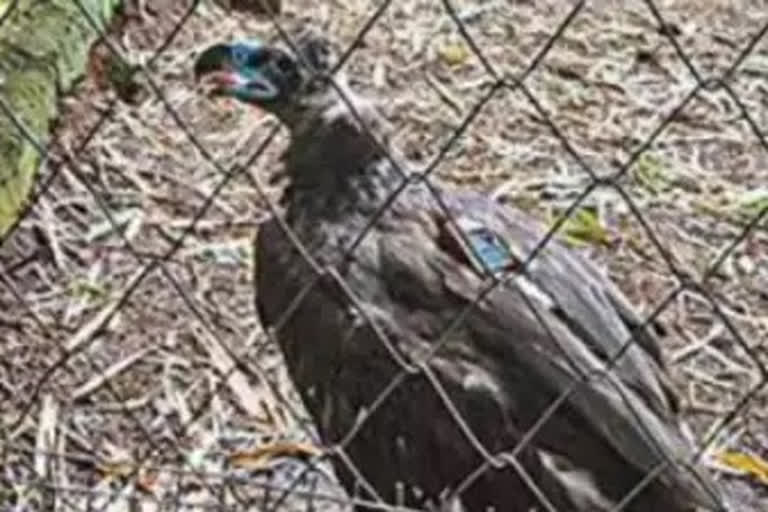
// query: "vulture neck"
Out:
[334,167]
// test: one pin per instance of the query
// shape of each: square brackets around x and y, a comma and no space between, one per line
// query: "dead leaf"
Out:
[746,463]
[146,479]
[116,469]
[147,482]
[258,458]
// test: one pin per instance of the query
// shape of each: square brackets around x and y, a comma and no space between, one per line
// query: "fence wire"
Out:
[49,462]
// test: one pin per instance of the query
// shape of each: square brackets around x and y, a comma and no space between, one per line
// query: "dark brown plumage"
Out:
[373,315]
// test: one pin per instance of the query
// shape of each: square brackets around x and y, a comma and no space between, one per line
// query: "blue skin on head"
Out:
[250,71]
[248,57]
[243,70]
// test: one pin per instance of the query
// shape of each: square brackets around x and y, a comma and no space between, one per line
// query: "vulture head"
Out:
[266,76]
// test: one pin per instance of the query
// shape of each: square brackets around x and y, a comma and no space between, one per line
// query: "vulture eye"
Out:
[284,64]
[256,59]
[240,55]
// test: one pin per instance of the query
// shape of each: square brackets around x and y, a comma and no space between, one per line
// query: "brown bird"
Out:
[440,392]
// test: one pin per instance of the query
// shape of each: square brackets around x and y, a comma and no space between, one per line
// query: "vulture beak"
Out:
[214,70]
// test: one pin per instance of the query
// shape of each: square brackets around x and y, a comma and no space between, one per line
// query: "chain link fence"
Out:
[155,389]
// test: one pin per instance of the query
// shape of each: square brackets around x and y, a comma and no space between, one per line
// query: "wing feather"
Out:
[552,338]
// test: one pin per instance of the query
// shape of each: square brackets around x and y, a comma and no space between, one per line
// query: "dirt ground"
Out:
[119,348]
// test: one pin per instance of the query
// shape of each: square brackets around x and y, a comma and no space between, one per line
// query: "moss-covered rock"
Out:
[43,50]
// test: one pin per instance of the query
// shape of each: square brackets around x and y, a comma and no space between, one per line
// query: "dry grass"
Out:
[114,382]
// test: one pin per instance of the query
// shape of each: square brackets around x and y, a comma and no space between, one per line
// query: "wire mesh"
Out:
[72,402]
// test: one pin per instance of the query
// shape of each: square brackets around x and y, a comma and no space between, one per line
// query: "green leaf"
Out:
[88,289]
[454,54]
[753,202]
[583,227]
[650,172]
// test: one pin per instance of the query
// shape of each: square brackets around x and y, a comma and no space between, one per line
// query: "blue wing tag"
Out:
[483,248]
